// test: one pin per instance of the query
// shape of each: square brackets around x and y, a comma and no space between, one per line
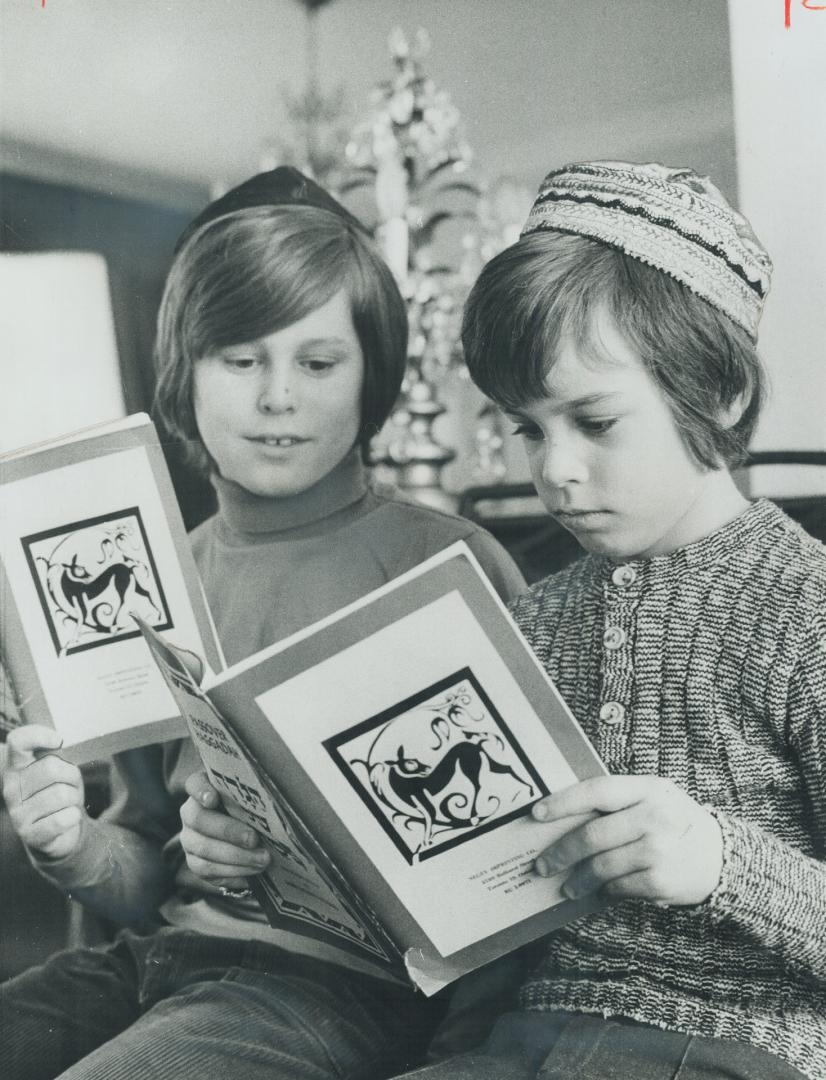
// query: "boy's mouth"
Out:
[281,441]
[574,513]
[578,517]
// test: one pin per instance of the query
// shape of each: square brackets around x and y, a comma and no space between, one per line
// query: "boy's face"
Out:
[279,413]
[608,460]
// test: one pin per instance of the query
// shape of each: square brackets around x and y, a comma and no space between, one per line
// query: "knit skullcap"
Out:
[672,219]
[284,186]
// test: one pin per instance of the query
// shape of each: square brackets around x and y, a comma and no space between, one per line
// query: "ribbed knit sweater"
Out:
[718,682]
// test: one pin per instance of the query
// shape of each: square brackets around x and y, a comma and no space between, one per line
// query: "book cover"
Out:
[410,734]
[90,535]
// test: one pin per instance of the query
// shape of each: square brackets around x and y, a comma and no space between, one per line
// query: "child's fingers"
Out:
[44,773]
[25,741]
[597,834]
[23,787]
[198,786]
[639,885]
[46,802]
[677,858]
[595,874]
[56,834]
[213,870]
[208,849]
[218,863]
[217,824]
[236,884]
[43,793]
[601,795]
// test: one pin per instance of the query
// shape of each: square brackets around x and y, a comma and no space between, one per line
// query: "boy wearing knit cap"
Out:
[690,642]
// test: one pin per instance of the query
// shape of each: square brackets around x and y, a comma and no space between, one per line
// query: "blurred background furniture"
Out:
[46,227]
[795,480]
[59,362]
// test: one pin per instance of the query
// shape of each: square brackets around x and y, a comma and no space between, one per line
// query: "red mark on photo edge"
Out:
[787,21]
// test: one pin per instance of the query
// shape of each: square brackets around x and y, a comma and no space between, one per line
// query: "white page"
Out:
[95,682]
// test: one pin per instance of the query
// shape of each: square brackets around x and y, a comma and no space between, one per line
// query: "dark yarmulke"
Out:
[284,186]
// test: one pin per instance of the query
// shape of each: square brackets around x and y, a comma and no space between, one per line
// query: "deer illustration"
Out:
[79,590]
[446,793]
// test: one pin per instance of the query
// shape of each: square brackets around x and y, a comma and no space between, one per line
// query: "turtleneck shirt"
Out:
[273,566]
[708,666]
[269,567]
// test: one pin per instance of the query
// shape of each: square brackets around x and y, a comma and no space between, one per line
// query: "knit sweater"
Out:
[268,567]
[717,680]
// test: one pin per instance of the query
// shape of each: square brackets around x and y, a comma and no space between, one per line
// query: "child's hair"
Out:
[250,273]
[551,284]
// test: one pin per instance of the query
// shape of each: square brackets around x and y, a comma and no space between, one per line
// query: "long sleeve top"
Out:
[708,666]
[269,567]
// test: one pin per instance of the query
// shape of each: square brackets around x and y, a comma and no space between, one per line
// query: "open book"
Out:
[389,756]
[90,534]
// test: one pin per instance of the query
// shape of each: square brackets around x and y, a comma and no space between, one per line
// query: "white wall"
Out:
[194,91]
[779,84]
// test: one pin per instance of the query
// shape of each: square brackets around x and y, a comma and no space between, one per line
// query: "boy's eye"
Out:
[317,365]
[240,363]
[593,425]
[527,429]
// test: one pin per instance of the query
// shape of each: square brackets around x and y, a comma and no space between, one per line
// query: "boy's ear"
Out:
[731,413]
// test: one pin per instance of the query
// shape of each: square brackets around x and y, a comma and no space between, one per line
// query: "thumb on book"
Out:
[198,786]
[30,741]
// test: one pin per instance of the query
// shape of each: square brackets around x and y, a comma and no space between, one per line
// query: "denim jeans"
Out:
[573,1046]
[180,1004]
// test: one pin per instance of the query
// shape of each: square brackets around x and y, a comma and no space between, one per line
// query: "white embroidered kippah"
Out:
[672,219]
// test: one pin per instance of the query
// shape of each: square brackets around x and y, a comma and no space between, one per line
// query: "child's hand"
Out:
[217,847]
[44,793]
[650,841]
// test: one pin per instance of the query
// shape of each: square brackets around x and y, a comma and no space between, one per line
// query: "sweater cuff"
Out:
[756,886]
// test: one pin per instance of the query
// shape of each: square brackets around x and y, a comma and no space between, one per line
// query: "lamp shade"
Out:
[59,367]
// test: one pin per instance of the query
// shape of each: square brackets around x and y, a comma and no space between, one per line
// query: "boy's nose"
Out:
[276,394]
[562,465]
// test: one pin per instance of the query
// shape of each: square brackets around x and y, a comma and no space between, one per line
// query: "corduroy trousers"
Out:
[180,1004]
[573,1046]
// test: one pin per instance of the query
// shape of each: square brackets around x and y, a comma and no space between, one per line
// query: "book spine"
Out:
[336,878]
